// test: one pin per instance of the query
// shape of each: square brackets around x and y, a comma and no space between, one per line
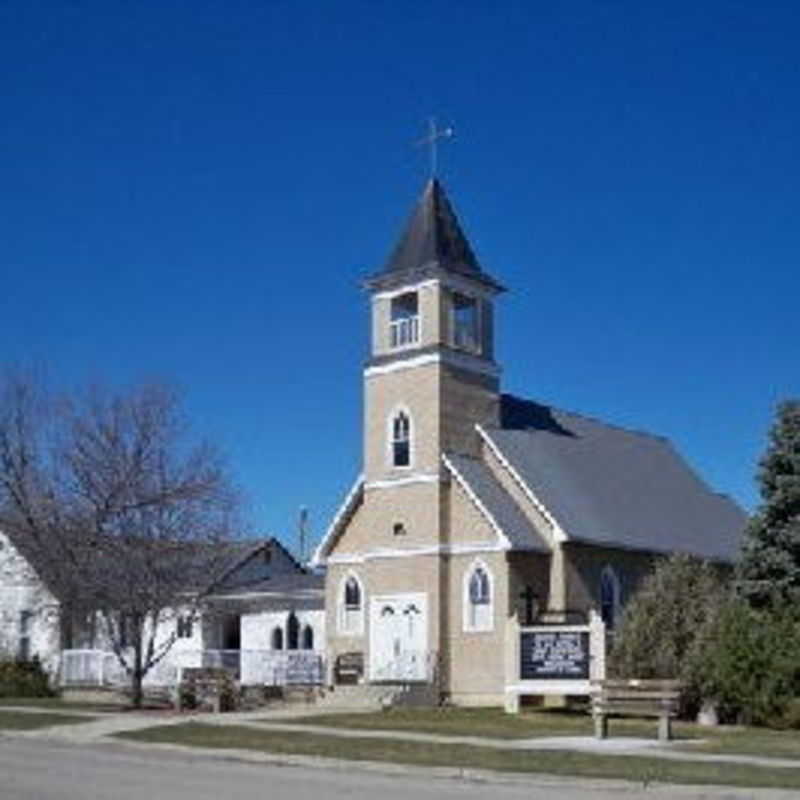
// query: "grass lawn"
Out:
[58,703]
[22,721]
[493,723]
[639,769]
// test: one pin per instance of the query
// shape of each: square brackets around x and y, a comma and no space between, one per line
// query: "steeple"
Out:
[433,245]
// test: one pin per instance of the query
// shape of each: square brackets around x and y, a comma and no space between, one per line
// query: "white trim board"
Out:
[388,483]
[433,550]
[349,502]
[451,358]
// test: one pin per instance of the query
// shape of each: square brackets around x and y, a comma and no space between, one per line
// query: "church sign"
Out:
[554,655]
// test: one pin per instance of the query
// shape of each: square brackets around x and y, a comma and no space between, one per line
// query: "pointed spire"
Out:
[433,242]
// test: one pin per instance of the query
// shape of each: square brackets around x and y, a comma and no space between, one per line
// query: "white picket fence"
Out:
[251,667]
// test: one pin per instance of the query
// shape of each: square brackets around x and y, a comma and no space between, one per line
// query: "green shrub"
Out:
[751,665]
[24,679]
[665,626]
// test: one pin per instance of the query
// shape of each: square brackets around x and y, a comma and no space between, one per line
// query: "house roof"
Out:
[496,504]
[432,243]
[307,588]
[605,485]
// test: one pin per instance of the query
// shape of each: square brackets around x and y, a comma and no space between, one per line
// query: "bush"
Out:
[24,679]
[666,624]
[751,666]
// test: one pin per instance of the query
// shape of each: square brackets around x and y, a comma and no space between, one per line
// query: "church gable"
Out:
[340,523]
[511,527]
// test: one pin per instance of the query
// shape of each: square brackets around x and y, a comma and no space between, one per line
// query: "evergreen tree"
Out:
[769,570]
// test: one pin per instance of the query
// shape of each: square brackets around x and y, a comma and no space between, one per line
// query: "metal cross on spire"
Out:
[432,141]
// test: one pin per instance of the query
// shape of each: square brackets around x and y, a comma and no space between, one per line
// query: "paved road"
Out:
[36,769]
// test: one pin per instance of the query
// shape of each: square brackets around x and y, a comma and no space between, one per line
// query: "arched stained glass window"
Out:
[479,609]
[609,597]
[292,632]
[401,440]
[351,607]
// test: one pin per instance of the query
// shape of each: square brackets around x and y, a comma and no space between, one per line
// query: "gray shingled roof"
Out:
[500,505]
[432,242]
[305,588]
[606,485]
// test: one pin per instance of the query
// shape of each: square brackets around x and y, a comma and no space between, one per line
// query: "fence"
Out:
[250,667]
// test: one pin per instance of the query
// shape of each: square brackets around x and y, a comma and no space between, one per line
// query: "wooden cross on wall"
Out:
[531,605]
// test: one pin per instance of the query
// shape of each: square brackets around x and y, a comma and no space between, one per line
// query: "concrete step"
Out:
[379,695]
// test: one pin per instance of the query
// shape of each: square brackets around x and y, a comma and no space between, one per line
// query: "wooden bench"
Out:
[635,698]
[349,667]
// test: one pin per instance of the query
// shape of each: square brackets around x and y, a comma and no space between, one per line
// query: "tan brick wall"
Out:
[383,576]
[528,569]
[474,666]
[416,389]
[466,524]
[466,399]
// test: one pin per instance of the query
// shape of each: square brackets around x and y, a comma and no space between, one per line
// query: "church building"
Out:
[475,507]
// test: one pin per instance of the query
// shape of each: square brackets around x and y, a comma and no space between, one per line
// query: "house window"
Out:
[401,440]
[276,640]
[351,619]
[404,324]
[478,599]
[466,335]
[610,604]
[292,632]
[24,649]
[308,638]
[185,626]
[398,529]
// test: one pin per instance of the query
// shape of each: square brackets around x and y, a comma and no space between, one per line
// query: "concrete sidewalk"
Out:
[105,725]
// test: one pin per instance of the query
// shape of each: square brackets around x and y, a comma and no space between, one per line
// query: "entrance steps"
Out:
[376,696]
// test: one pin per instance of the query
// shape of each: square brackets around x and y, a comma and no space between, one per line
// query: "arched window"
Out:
[308,638]
[277,638]
[401,440]
[351,614]
[292,632]
[609,597]
[478,606]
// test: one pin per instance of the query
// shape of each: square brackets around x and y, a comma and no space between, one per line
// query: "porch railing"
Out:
[90,668]
[250,667]
[403,332]
[412,665]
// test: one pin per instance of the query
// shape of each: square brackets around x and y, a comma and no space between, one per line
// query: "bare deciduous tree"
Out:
[124,518]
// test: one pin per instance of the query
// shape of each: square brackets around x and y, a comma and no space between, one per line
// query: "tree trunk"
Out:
[136,673]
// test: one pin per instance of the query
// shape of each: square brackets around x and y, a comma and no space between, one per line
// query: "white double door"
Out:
[399,637]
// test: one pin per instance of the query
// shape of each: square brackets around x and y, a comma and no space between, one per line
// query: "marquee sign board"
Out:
[554,655]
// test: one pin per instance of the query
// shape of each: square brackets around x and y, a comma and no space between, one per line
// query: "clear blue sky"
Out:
[194,190]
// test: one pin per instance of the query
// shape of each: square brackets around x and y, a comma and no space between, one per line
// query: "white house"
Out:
[264,620]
